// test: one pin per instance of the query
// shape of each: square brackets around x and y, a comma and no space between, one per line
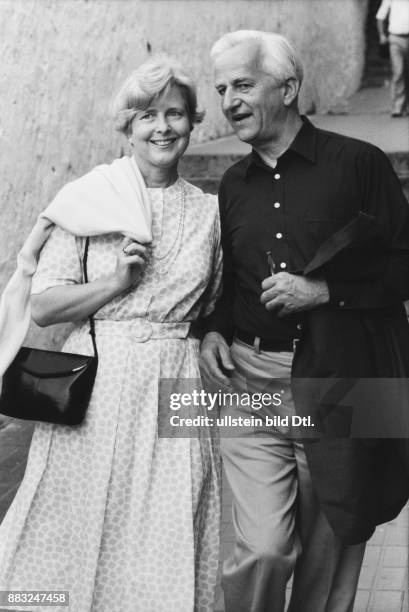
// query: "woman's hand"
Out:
[130,263]
[75,302]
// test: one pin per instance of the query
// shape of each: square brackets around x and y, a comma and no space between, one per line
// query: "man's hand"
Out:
[288,293]
[214,358]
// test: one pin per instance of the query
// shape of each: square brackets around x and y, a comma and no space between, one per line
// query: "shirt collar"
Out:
[304,144]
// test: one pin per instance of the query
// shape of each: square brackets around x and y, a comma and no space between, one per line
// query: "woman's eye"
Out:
[176,113]
[147,116]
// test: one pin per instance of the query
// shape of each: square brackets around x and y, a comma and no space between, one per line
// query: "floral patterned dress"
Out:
[121,518]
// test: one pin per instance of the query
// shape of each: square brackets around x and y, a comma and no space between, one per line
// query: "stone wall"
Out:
[63,59]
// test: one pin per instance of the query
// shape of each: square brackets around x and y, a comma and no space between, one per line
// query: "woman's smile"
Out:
[163,142]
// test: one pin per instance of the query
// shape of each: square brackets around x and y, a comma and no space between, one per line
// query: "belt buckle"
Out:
[142,331]
[256,345]
[295,342]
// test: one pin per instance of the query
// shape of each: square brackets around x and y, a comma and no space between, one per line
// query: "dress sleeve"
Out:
[215,284]
[59,262]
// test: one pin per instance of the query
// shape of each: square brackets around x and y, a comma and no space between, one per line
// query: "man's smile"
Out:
[238,117]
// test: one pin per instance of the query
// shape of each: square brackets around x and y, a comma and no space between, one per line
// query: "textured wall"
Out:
[62,60]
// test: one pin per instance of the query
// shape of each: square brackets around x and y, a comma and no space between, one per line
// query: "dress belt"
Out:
[266,344]
[141,329]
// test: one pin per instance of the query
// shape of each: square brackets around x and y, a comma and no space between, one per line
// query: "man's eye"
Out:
[243,86]
[221,91]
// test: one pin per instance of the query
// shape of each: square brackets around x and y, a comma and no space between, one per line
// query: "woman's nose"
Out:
[162,124]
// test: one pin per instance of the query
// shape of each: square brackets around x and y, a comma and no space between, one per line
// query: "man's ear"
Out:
[291,88]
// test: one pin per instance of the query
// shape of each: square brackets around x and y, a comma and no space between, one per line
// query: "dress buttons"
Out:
[277,204]
[279,235]
[277,176]
[283,265]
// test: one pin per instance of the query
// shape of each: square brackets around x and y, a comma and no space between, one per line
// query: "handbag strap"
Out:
[91,318]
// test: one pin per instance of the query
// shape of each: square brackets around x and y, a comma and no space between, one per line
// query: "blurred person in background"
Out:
[393,27]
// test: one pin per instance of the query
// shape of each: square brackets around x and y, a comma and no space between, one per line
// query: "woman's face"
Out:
[160,134]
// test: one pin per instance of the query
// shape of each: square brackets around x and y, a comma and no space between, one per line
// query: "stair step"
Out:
[377,62]
[380,76]
[369,82]
[378,71]
[205,171]
[212,185]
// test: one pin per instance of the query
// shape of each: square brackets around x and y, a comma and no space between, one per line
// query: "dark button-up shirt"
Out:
[320,183]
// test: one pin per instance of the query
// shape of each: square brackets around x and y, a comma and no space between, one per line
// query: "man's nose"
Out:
[230,101]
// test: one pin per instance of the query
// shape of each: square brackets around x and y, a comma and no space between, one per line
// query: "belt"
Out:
[266,344]
[140,329]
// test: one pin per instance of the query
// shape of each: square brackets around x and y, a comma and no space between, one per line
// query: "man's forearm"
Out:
[382,30]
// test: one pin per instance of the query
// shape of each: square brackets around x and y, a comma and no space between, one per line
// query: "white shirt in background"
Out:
[398,13]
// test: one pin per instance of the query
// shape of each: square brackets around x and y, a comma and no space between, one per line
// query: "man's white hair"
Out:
[277,55]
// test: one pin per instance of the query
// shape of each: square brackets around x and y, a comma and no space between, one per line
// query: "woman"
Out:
[109,511]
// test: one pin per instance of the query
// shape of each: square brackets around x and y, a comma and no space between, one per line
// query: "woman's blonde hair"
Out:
[153,78]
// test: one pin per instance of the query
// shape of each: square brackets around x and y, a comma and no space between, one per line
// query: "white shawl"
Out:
[110,198]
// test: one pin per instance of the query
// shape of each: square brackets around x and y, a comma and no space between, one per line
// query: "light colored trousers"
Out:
[279,527]
[399,52]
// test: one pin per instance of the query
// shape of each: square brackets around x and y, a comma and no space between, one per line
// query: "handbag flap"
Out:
[41,363]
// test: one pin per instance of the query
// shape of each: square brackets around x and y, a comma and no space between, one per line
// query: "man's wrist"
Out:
[322,291]
[212,335]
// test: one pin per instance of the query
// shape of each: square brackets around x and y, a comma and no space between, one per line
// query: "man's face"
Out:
[252,100]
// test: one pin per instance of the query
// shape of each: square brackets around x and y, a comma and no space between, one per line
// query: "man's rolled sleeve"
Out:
[383,10]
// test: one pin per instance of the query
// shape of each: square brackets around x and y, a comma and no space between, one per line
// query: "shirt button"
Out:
[341,303]
[277,204]
[299,326]
[283,265]
[279,235]
[277,176]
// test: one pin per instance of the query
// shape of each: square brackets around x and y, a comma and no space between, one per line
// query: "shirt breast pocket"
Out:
[320,228]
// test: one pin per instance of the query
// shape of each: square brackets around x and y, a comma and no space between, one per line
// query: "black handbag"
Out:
[50,386]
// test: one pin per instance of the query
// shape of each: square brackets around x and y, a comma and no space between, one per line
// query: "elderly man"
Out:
[315,233]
